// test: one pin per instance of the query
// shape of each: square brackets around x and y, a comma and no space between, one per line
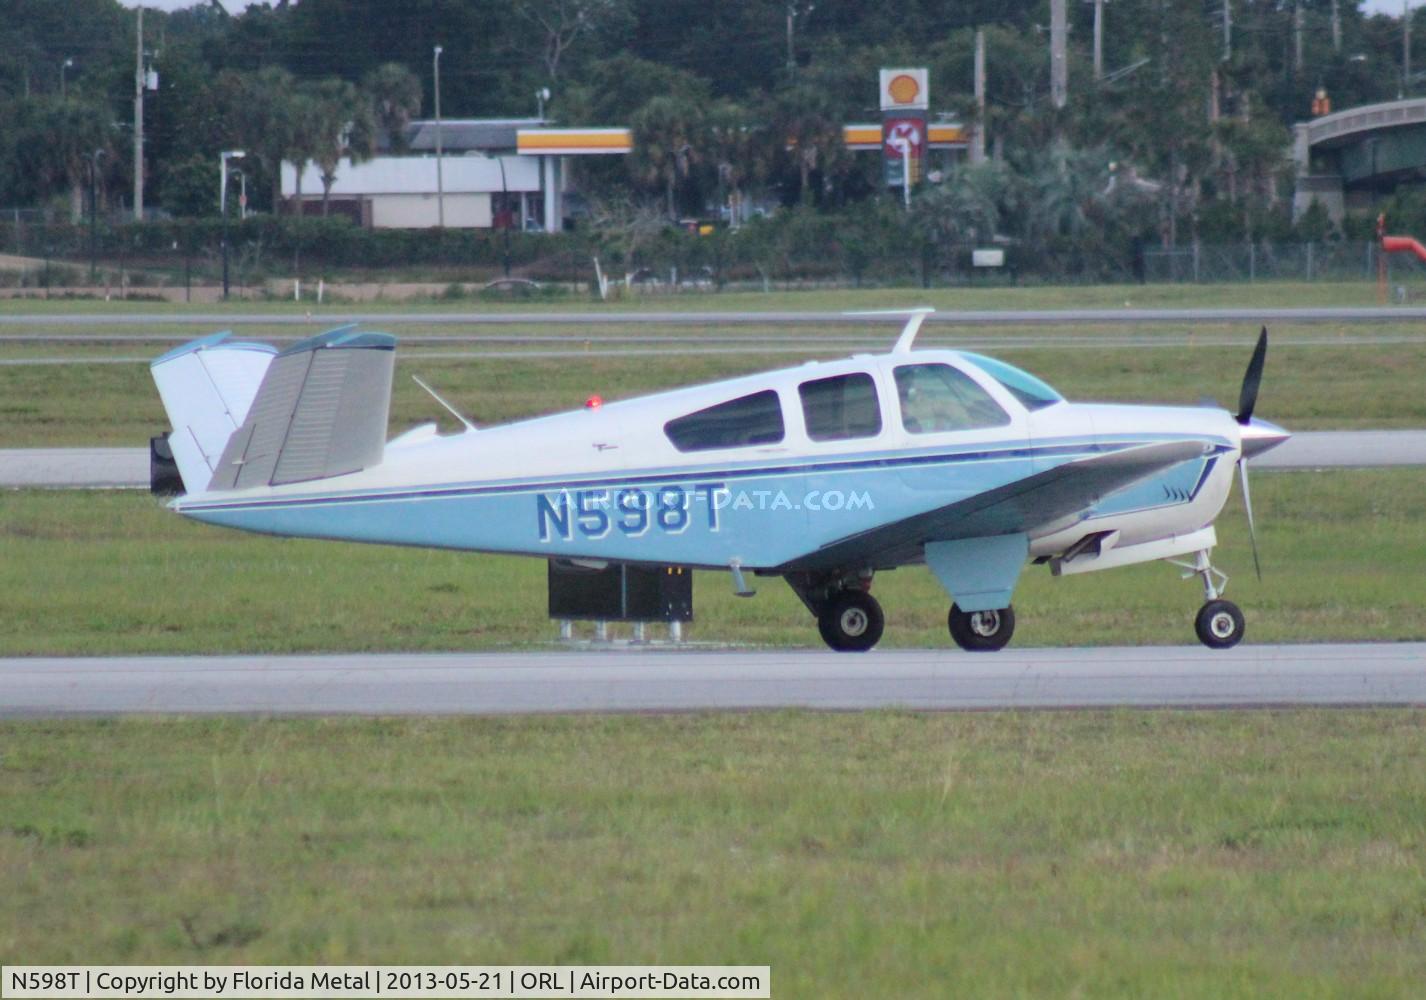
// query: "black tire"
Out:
[981,631]
[851,622]
[1219,624]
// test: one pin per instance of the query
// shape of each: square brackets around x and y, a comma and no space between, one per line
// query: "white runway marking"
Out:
[668,680]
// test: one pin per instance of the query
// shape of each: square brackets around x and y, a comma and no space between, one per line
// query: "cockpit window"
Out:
[738,423]
[1021,384]
[938,398]
[840,407]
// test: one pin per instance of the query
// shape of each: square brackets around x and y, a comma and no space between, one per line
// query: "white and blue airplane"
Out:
[823,474]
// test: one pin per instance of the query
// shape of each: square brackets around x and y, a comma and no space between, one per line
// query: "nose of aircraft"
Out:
[1257,436]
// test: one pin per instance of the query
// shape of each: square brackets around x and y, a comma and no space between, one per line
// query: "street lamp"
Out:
[62,67]
[93,160]
[223,158]
[541,96]
[440,181]
[505,211]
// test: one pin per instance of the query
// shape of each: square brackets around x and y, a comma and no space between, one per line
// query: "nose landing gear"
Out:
[1219,623]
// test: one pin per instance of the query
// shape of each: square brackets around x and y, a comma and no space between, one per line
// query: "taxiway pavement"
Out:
[652,679]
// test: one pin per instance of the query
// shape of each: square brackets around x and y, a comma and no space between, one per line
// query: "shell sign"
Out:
[904,88]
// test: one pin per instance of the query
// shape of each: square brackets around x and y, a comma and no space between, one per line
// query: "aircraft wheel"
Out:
[851,622]
[1219,624]
[981,631]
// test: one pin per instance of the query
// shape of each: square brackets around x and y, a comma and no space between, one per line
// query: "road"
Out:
[960,317]
[44,468]
[684,680]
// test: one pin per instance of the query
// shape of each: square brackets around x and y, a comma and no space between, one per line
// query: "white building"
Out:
[503,172]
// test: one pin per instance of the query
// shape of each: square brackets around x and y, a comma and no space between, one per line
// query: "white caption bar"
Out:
[108,982]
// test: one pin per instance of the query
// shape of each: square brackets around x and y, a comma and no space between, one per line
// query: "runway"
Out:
[662,680]
[98,468]
[700,317]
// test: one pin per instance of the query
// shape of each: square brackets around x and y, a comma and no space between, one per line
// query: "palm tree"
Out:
[58,137]
[396,99]
[668,139]
[732,146]
[262,110]
[805,119]
[338,124]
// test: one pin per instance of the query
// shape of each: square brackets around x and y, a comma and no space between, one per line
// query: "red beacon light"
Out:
[594,402]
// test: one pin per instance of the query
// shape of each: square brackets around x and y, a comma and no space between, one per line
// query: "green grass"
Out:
[98,572]
[1151,854]
[1340,384]
[1261,294]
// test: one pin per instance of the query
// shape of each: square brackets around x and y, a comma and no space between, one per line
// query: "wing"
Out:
[1015,508]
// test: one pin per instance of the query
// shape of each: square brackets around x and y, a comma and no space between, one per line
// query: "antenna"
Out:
[437,397]
[914,318]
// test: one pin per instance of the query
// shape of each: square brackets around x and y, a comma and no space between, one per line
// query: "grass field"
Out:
[1341,384]
[1144,854]
[98,572]
[1261,294]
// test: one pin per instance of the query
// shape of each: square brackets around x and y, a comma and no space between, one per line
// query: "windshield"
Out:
[1022,385]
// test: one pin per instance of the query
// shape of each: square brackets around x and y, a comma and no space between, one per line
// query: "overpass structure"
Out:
[1352,152]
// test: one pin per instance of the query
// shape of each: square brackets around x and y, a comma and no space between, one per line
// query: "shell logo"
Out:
[903,88]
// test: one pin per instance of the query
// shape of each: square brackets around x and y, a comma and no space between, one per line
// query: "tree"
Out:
[733,146]
[562,22]
[809,128]
[56,139]
[668,140]
[339,124]
[396,99]
[262,110]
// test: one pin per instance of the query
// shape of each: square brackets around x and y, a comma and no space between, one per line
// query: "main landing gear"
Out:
[981,631]
[851,620]
[1219,623]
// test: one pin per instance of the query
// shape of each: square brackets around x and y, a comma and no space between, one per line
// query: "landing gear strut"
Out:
[981,631]
[1219,623]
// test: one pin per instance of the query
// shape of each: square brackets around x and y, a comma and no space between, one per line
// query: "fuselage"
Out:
[753,471]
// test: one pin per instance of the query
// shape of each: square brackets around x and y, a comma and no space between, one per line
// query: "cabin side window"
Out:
[841,407]
[938,398]
[738,423]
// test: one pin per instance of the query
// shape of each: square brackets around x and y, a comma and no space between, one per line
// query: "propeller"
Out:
[1247,401]
[1252,379]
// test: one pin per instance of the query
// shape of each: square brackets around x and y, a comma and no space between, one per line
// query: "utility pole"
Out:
[440,181]
[1405,46]
[791,58]
[1227,30]
[977,145]
[1336,27]
[1098,39]
[139,121]
[1297,37]
[1059,67]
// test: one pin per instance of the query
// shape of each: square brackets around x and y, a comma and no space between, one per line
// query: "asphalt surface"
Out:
[651,679]
[97,468]
[966,317]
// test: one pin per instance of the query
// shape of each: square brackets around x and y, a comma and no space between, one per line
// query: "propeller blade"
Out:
[1248,506]
[1248,396]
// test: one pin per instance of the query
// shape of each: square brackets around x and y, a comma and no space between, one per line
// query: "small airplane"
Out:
[823,474]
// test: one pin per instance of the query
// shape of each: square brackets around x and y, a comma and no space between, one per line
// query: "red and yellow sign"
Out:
[905,89]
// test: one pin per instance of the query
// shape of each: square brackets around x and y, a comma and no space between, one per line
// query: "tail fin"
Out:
[321,411]
[207,387]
